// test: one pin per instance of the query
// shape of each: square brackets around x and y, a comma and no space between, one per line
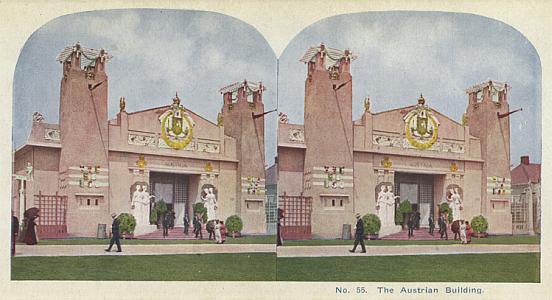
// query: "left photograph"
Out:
[146,135]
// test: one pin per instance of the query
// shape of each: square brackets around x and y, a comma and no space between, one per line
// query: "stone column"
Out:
[21,198]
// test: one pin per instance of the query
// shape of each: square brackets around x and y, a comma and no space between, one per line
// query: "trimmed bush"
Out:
[479,224]
[372,224]
[233,224]
[127,223]
[445,208]
[158,210]
[404,208]
[199,208]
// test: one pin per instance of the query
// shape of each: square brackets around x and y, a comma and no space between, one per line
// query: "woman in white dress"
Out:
[218,237]
[463,232]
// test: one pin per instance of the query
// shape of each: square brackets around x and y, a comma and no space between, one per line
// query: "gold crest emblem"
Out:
[421,126]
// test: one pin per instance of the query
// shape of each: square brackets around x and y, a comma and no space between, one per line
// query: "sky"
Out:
[403,54]
[156,53]
[400,55]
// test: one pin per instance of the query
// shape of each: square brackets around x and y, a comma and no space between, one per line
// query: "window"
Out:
[254,204]
[334,202]
[498,206]
[89,201]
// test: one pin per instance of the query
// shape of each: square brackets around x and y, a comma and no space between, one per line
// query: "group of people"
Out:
[215,228]
[465,232]
[28,231]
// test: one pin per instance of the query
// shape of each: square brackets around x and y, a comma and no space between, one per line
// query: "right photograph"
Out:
[409,149]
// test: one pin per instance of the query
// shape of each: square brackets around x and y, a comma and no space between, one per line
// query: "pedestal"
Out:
[388,230]
[144,229]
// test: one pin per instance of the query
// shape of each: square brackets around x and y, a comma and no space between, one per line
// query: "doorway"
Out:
[418,190]
[173,190]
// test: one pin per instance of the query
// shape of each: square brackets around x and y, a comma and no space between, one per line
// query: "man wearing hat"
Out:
[359,234]
[114,234]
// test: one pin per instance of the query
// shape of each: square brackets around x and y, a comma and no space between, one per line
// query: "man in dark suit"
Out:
[15,233]
[197,227]
[417,218]
[186,223]
[443,227]
[166,224]
[114,234]
[359,234]
[410,223]
[431,225]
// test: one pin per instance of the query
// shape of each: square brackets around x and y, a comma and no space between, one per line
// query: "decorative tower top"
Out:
[243,90]
[493,90]
[176,100]
[421,100]
[88,57]
[332,57]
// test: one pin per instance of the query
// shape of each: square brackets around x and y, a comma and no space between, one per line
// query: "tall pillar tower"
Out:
[488,119]
[329,138]
[83,163]
[243,119]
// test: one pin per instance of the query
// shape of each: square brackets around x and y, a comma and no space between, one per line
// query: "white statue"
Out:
[455,203]
[140,205]
[210,203]
[29,171]
[386,205]
[386,210]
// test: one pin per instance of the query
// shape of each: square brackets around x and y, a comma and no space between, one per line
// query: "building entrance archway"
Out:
[418,189]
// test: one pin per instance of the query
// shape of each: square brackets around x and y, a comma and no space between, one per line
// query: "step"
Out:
[420,234]
[176,233]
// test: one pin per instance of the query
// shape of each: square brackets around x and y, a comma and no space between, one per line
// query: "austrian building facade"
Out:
[412,153]
[87,166]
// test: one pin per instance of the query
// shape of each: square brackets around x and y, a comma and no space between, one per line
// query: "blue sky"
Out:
[155,54]
[403,54]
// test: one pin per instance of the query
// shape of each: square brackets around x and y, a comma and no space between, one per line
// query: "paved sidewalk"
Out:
[343,250]
[92,250]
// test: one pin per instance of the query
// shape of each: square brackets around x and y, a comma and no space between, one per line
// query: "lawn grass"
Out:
[523,267]
[188,267]
[261,239]
[498,239]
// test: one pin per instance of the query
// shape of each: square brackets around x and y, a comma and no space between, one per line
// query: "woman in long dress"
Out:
[30,235]
[222,232]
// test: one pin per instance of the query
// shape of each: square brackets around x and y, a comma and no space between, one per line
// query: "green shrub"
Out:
[158,210]
[404,208]
[479,224]
[127,223]
[445,208]
[372,224]
[233,224]
[199,208]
